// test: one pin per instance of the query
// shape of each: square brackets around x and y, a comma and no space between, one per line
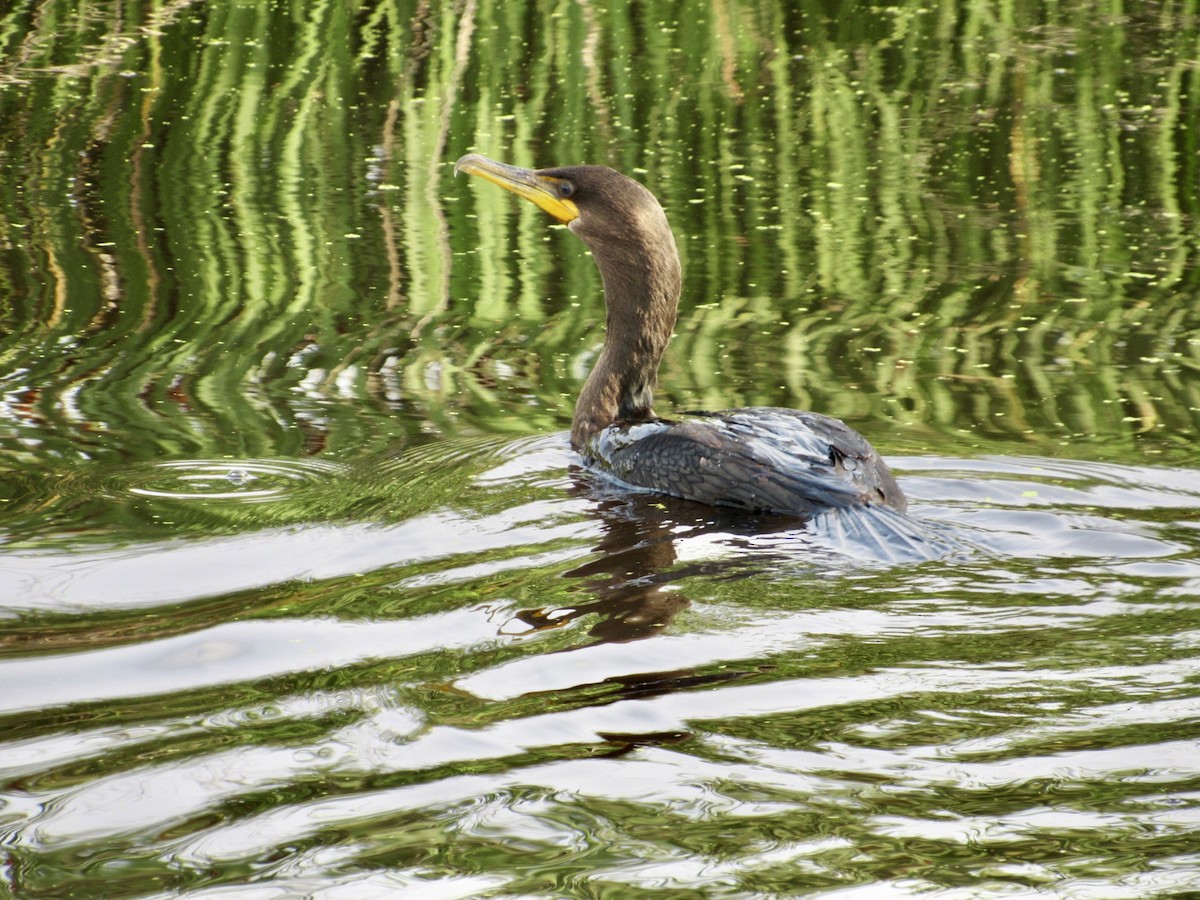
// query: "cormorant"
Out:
[762,459]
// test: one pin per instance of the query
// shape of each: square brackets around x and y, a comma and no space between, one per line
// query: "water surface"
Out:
[304,593]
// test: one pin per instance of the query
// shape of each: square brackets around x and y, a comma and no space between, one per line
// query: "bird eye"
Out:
[565,189]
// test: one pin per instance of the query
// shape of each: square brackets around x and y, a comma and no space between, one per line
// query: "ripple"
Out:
[245,480]
[136,502]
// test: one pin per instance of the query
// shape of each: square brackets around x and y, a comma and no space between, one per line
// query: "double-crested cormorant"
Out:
[761,459]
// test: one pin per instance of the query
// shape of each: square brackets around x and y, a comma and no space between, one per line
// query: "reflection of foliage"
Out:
[226,227]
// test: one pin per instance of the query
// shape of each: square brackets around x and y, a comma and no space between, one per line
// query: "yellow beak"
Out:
[527,183]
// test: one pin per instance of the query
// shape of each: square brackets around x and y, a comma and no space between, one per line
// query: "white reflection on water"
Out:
[394,738]
[229,654]
[177,571]
[1034,691]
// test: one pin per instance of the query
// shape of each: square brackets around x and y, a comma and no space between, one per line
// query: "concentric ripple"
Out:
[170,498]
[246,480]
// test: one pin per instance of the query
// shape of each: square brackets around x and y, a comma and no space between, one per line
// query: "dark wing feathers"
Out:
[772,460]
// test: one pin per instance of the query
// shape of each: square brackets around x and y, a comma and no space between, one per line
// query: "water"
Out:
[304,592]
[549,688]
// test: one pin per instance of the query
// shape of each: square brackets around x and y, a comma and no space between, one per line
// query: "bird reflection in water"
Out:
[631,587]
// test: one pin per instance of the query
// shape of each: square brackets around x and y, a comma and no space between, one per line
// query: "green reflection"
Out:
[232,225]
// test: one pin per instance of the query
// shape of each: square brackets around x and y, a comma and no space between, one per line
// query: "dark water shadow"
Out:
[631,582]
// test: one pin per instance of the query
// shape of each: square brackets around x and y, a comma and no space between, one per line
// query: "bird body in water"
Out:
[760,459]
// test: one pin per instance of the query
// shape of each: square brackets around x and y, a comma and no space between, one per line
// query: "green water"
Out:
[303,594]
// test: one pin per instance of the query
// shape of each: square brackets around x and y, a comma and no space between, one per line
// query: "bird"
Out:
[766,460]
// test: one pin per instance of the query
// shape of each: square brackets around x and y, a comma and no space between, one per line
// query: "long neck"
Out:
[641,292]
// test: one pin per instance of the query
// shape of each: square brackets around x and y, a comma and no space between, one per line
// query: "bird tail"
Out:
[882,534]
